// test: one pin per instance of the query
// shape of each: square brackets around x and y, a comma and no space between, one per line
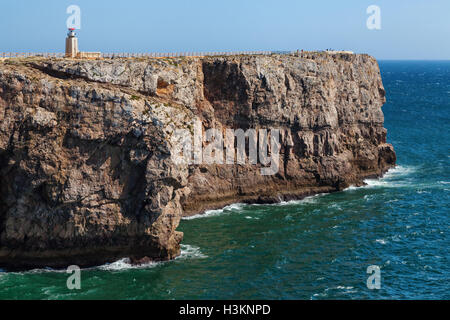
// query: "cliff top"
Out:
[313,55]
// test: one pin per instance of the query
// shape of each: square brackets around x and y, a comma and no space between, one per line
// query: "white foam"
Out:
[190,252]
[399,171]
[320,295]
[125,264]
[33,271]
[335,206]
[213,213]
[344,288]
[114,266]
[232,208]
[394,178]
[348,289]
[187,252]
[306,200]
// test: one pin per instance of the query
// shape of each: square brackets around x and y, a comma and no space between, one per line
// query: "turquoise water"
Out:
[317,248]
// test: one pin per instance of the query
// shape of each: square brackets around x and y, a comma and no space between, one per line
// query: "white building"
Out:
[72,48]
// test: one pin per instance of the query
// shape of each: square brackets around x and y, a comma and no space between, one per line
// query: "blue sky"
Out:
[410,29]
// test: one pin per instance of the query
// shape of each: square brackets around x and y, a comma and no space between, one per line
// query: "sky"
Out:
[410,29]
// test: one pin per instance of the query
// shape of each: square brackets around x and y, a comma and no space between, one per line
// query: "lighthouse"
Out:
[71,44]
[72,48]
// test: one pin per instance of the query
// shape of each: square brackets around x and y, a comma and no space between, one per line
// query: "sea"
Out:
[389,239]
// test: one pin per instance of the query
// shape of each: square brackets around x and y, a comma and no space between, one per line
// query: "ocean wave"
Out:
[306,200]
[125,264]
[190,252]
[34,271]
[319,295]
[213,213]
[343,289]
[352,187]
[394,178]
[187,252]
[232,208]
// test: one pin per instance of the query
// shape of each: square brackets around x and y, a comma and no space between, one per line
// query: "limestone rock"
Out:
[85,146]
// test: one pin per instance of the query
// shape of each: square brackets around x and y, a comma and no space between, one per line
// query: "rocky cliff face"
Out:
[85,146]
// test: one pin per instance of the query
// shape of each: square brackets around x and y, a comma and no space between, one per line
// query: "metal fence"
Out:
[30,54]
[137,55]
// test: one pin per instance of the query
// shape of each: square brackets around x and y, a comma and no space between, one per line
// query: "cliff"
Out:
[86,168]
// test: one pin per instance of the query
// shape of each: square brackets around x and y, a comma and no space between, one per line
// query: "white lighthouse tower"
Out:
[71,44]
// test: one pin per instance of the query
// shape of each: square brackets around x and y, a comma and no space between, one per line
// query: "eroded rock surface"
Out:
[85,146]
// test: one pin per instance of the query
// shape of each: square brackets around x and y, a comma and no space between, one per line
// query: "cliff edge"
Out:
[86,168]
